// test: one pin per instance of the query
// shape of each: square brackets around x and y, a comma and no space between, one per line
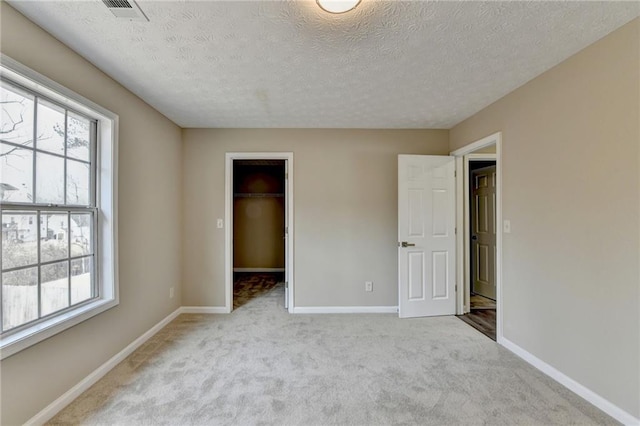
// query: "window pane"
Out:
[81,242]
[16,118]
[77,183]
[55,287]
[54,235]
[50,128]
[19,240]
[19,297]
[81,288]
[78,139]
[49,179]
[16,174]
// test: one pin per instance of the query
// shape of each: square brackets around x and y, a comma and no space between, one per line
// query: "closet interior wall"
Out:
[258,215]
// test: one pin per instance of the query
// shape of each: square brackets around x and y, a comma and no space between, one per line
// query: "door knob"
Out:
[474,237]
[406,244]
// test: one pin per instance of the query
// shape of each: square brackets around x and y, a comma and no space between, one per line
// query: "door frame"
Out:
[228,214]
[463,155]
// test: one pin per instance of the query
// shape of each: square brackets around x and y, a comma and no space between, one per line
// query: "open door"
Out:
[426,235]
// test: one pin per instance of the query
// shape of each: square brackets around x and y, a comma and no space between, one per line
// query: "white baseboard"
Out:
[258,269]
[204,310]
[611,409]
[56,406]
[345,310]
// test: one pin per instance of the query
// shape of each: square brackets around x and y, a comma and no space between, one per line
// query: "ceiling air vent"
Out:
[126,9]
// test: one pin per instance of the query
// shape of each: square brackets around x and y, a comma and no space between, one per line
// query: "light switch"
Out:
[506,226]
[220,223]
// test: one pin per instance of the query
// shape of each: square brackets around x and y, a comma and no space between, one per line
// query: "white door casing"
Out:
[426,225]
[289,218]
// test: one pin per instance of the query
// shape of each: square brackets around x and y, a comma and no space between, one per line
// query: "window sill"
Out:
[23,339]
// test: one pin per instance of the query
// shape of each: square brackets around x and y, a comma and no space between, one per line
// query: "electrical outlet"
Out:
[220,223]
[368,286]
[171,292]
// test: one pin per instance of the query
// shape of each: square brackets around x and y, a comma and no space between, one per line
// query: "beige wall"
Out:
[486,150]
[345,198]
[572,193]
[258,229]
[258,223]
[149,234]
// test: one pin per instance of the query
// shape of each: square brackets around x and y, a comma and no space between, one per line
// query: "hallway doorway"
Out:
[480,242]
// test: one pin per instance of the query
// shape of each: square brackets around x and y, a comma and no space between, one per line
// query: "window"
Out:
[57,206]
[48,168]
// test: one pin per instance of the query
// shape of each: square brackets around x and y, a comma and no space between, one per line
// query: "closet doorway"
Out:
[258,220]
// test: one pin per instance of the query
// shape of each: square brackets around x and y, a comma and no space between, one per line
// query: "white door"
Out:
[426,235]
[483,231]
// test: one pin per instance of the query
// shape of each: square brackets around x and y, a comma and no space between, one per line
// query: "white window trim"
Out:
[106,201]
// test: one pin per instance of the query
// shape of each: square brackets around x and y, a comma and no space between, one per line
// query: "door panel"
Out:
[483,237]
[416,213]
[439,214]
[416,275]
[440,276]
[426,223]
[483,260]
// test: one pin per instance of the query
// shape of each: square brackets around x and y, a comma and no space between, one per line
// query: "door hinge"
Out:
[286,284]
[286,175]
[286,230]
[456,288]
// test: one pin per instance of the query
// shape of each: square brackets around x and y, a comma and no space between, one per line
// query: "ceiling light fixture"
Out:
[338,6]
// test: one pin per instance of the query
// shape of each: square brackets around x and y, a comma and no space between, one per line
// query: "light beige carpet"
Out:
[262,366]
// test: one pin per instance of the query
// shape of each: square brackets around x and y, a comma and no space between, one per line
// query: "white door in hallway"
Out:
[426,235]
[483,231]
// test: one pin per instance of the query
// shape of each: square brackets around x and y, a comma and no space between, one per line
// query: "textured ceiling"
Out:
[388,64]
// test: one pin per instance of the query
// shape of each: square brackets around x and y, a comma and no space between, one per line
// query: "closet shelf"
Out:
[257,195]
